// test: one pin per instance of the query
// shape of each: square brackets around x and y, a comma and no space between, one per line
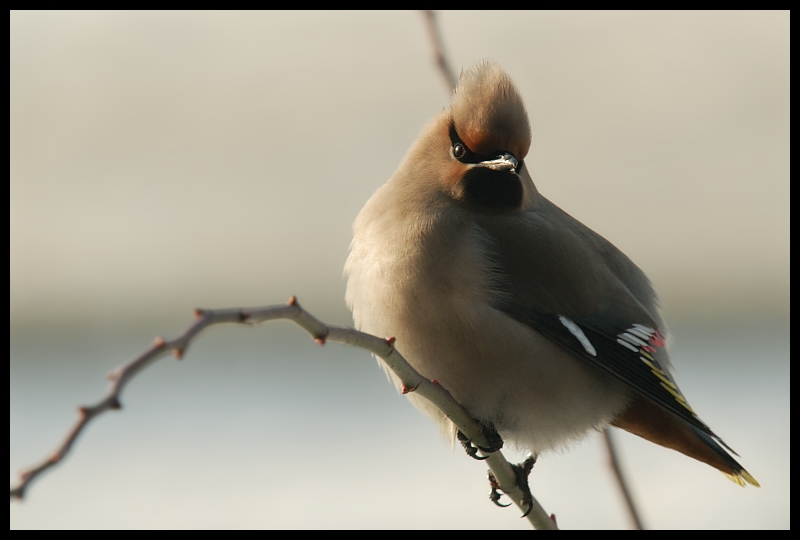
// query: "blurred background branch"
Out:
[622,483]
[437,49]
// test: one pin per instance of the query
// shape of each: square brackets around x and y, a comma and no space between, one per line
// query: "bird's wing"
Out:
[569,284]
[629,351]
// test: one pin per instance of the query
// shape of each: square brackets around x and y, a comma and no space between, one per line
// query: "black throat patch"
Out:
[487,189]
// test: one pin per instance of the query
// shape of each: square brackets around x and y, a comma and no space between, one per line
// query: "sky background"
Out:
[165,161]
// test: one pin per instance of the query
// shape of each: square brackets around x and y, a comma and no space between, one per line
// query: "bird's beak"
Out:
[505,162]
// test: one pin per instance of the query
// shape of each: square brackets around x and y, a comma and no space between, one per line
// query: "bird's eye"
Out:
[459,151]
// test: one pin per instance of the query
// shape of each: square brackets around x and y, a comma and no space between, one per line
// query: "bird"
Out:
[541,328]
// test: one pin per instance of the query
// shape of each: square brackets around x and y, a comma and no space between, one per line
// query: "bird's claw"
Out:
[471,449]
[522,472]
[494,494]
[491,435]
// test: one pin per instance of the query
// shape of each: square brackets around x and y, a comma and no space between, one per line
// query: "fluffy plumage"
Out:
[540,327]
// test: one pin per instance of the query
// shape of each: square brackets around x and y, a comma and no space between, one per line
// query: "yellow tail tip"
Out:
[741,477]
[749,479]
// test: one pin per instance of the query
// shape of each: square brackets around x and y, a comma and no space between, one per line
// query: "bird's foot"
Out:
[491,435]
[494,494]
[522,472]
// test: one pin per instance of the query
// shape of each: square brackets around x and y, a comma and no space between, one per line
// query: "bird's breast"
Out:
[427,279]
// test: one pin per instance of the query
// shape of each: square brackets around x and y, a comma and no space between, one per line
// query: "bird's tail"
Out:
[654,423]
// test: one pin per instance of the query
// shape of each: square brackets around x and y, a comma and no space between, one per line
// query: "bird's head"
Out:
[489,136]
[472,153]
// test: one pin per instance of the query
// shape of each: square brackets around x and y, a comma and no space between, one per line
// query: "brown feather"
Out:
[649,421]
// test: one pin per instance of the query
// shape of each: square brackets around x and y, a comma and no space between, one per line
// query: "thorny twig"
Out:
[410,379]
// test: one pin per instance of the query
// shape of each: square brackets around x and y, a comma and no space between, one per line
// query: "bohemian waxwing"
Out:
[537,325]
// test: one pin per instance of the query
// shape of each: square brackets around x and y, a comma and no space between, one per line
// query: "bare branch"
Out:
[435,40]
[613,462]
[322,333]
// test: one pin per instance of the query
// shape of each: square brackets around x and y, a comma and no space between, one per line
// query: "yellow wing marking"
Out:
[679,398]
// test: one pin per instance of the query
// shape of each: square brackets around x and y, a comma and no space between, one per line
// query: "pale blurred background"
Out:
[165,161]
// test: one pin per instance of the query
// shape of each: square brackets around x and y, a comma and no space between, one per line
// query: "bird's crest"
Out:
[488,112]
